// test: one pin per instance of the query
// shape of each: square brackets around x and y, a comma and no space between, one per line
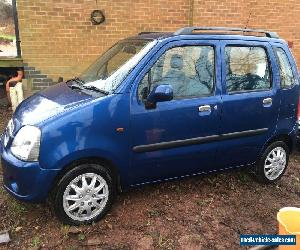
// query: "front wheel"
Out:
[273,163]
[84,195]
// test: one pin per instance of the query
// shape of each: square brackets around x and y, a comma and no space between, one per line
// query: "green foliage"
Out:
[155,213]
[36,242]
[17,207]
[81,236]
[8,38]
[165,243]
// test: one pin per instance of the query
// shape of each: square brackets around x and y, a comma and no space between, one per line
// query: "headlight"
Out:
[8,132]
[10,127]
[26,144]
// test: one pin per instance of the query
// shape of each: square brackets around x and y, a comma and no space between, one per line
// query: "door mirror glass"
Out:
[160,93]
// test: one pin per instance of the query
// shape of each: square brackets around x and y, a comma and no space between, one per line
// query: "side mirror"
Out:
[160,93]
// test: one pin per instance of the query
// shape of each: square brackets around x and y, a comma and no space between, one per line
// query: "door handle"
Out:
[267,102]
[204,108]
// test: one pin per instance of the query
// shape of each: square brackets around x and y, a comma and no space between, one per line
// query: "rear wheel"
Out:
[84,195]
[273,163]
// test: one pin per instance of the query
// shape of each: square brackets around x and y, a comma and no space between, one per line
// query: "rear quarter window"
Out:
[285,69]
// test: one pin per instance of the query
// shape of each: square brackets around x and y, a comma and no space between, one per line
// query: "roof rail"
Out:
[189,31]
[147,32]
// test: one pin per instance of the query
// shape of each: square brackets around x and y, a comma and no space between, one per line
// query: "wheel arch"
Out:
[113,170]
[286,138]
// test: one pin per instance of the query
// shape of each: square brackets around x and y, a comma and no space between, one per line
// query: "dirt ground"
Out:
[204,212]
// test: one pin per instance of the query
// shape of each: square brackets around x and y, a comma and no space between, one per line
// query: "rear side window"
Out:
[286,72]
[247,69]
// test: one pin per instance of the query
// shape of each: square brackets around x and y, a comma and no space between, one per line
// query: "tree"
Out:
[6,13]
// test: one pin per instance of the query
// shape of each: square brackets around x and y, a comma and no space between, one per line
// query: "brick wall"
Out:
[58,38]
[281,16]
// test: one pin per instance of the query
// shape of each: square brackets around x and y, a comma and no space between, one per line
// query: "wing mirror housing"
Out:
[160,93]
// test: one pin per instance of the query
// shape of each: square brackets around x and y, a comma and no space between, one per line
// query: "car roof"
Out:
[212,33]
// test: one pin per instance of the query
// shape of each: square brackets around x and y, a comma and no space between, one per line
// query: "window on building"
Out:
[286,72]
[189,70]
[8,47]
[247,69]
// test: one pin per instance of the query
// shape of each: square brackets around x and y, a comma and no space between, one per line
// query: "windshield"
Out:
[109,70]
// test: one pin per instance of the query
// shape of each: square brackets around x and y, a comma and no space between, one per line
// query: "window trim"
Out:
[269,66]
[291,67]
[213,92]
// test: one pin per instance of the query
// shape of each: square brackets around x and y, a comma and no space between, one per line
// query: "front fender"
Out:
[88,132]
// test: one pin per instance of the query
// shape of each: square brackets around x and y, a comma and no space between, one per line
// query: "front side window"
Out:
[189,70]
[286,73]
[247,69]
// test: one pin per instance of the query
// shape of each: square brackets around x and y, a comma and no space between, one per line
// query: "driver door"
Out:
[177,137]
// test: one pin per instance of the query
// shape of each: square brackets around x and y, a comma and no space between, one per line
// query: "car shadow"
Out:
[297,148]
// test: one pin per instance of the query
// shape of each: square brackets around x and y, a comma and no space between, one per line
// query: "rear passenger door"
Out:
[250,101]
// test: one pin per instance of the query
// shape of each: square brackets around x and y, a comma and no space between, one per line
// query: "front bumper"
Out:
[25,181]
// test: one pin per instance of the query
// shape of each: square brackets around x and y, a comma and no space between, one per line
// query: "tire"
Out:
[78,201]
[279,153]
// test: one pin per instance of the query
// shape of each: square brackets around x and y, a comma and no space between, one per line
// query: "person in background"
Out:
[14,89]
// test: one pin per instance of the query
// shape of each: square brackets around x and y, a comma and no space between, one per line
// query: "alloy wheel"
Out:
[85,197]
[275,163]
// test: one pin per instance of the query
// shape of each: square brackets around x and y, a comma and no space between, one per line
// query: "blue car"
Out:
[154,107]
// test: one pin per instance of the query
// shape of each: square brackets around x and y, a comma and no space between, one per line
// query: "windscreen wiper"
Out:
[77,80]
[77,83]
[76,86]
[96,89]
[80,85]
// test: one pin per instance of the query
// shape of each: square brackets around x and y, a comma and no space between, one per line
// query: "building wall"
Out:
[281,16]
[58,39]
